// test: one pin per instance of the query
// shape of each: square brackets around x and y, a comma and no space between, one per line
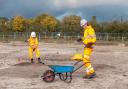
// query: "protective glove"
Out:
[34,49]
[26,41]
[89,45]
[79,39]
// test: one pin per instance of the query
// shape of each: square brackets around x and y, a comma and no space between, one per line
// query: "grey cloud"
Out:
[60,8]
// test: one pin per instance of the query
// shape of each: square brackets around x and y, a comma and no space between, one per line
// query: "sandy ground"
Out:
[110,63]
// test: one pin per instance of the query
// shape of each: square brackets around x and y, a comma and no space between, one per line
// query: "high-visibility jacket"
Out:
[89,35]
[33,41]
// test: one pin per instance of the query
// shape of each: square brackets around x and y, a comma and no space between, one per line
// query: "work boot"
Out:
[90,76]
[39,61]
[32,60]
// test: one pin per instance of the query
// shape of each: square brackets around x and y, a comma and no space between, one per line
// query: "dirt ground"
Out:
[110,63]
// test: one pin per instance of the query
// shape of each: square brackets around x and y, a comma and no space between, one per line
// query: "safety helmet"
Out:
[33,34]
[83,22]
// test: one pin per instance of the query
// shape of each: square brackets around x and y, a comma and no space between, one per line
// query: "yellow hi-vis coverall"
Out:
[33,47]
[89,39]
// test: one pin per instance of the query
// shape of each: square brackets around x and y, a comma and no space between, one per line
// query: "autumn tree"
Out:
[46,22]
[18,23]
[29,25]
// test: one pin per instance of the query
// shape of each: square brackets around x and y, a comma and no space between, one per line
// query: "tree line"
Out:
[48,23]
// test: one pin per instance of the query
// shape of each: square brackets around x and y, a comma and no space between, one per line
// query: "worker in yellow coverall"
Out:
[89,39]
[33,47]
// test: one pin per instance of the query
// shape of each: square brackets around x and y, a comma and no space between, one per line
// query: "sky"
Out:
[102,9]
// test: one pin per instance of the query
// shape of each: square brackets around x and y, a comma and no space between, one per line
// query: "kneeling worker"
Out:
[33,47]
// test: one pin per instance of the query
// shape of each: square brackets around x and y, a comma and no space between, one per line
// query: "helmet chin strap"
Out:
[85,25]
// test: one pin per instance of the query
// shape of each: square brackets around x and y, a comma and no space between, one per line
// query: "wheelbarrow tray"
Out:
[61,69]
[64,72]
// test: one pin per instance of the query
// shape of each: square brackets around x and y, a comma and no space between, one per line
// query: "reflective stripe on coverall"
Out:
[33,47]
[89,37]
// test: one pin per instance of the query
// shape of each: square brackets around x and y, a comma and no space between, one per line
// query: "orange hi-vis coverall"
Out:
[33,47]
[89,38]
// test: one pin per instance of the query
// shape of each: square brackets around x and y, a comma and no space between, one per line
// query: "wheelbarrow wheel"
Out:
[48,76]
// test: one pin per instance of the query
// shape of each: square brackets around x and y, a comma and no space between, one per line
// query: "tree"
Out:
[18,23]
[29,25]
[115,26]
[4,22]
[46,22]
[71,23]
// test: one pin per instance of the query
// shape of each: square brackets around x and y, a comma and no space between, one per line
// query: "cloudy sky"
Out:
[103,9]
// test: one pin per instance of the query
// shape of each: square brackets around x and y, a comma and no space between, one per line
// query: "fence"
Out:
[112,36]
[21,36]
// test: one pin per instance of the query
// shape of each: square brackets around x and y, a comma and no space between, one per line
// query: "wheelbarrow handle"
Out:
[77,63]
[79,66]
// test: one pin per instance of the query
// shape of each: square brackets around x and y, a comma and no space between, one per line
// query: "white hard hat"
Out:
[83,22]
[33,34]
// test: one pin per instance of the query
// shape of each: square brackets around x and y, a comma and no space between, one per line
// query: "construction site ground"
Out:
[16,71]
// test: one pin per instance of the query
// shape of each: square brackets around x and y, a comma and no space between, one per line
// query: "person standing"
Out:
[89,39]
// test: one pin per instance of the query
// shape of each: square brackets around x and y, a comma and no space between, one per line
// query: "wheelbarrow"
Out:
[64,72]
